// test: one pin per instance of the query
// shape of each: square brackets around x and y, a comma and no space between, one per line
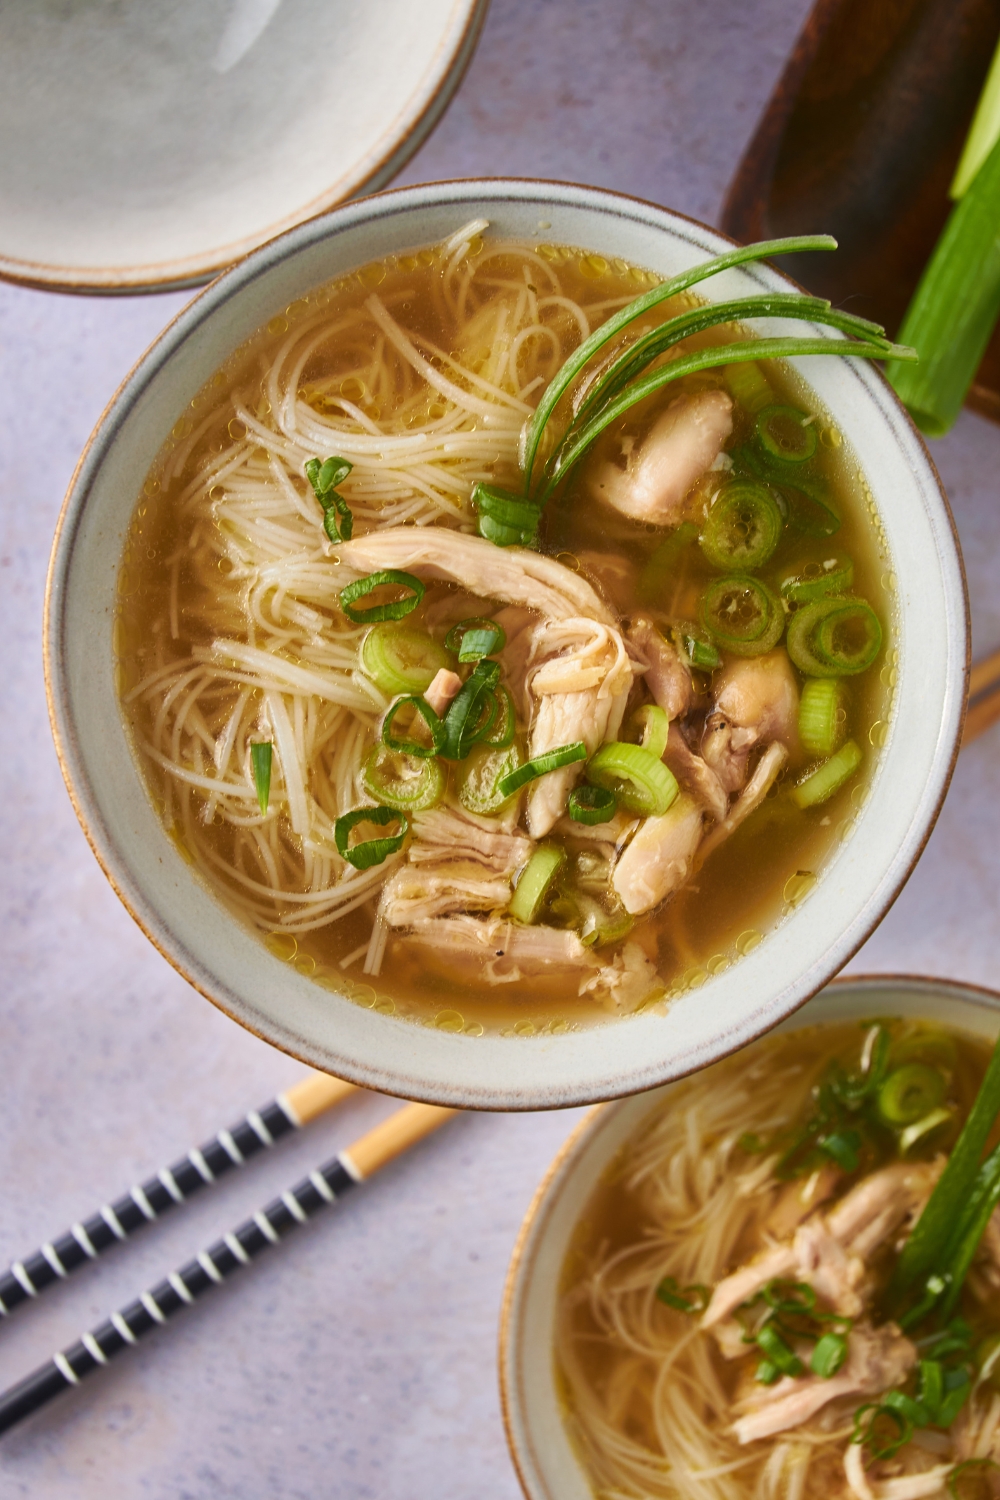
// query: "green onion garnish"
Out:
[743,615]
[396,609]
[509,520]
[832,576]
[407,745]
[541,765]
[834,637]
[368,852]
[882,1429]
[591,805]
[260,760]
[463,725]
[503,723]
[786,434]
[473,639]
[828,1355]
[909,1093]
[533,885]
[338,523]
[478,777]
[777,1351]
[743,527]
[402,782]
[828,777]
[655,728]
[689,1299]
[968,1466]
[399,659]
[640,781]
[822,715]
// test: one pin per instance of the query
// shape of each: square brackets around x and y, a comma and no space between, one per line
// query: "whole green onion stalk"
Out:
[957,301]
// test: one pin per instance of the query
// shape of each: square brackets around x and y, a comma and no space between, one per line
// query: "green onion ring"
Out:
[552,760]
[534,882]
[463,717]
[407,746]
[834,637]
[828,777]
[260,758]
[591,804]
[834,575]
[503,724]
[471,640]
[743,615]
[370,852]
[743,527]
[509,520]
[655,729]
[909,1093]
[400,659]
[786,434]
[822,715]
[641,782]
[414,793]
[395,610]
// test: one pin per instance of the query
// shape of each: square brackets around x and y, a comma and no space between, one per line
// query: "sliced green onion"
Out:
[959,1389]
[479,776]
[766,1373]
[640,781]
[742,529]
[914,1411]
[594,921]
[396,609]
[260,759]
[834,637]
[786,434]
[822,715]
[956,1489]
[502,723]
[535,880]
[473,639]
[541,765]
[749,386]
[464,719]
[696,647]
[834,575]
[743,615]
[769,1340]
[506,519]
[402,781]
[399,659]
[909,1093]
[407,745]
[809,510]
[338,522]
[930,1384]
[873,1435]
[655,728]
[828,777]
[828,1355]
[920,1129]
[976,1211]
[368,852]
[843,1147]
[954,308]
[591,805]
[689,1299]
[660,574]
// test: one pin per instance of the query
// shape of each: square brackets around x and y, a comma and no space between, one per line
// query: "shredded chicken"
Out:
[443,833]
[800,1199]
[628,980]
[667,677]
[579,689]
[877,1358]
[695,775]
[658,860]
[416,892]
[918,1486]
[750,798]
[501,951]
[882,1203]
[442,690]
[680,446]
[512,574]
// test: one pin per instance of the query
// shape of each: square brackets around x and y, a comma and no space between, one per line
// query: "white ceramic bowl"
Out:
[228,963]
[147,146]
[546,1461]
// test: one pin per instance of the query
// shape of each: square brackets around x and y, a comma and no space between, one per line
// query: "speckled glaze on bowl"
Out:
[546,1461]
[227,962]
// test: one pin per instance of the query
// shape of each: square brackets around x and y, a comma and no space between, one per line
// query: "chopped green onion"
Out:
[368,852]
[473,639]
[591,805]
[742,528]
[506,519]
[822,716]
[914,1411]
[843,1146]
[828,1355]
[766,1373]
[598,923]
[399,659]
[640,781]
[786,434]
[535,880]
[743,615]
[396,609]
[809,510]
[541,765]
[402,781]
[749,385]
[920,1129]
[873,1435]
[463,722]
[260,759]
[909,1093]
[502,725]
[834,575]
[407,745]
[828,777]
[690,1299]
[769,1340]
[479,775]
[338,523]
[930,1384]
[959,1388]
[968,1466]
[976,1211]
[661,572]
[834,637]
[655,728]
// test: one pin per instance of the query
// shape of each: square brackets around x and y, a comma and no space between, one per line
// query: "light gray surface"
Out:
[358,1360]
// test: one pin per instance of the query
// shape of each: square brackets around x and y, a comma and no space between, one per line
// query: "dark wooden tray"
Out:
[860,139]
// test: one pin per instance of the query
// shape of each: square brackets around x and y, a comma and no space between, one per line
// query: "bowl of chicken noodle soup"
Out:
[505,644]
[715,1290]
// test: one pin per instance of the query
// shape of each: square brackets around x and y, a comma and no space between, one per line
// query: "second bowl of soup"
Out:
[482,727]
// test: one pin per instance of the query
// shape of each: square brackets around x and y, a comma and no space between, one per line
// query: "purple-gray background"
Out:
[358,1360]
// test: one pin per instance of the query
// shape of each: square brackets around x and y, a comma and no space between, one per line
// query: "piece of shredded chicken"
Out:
[667,677]
[654,479]
[659,859]
[756,702]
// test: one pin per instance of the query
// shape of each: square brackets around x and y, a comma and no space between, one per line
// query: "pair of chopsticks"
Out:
[984,697]
[172,1185]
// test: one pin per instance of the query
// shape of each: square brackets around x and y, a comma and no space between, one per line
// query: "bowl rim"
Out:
[417,118]
[531,1231]
[181,326]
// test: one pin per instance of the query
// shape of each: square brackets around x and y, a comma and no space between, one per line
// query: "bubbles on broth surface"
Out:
[229,632]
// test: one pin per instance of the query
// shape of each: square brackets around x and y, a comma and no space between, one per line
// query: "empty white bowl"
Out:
[546,1460]
[147,146]
[230,964]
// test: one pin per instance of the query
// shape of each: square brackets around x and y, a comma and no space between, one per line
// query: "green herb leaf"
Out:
[260,760]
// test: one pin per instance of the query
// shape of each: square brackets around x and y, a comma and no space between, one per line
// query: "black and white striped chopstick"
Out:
[212,1266]
[260,1129]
